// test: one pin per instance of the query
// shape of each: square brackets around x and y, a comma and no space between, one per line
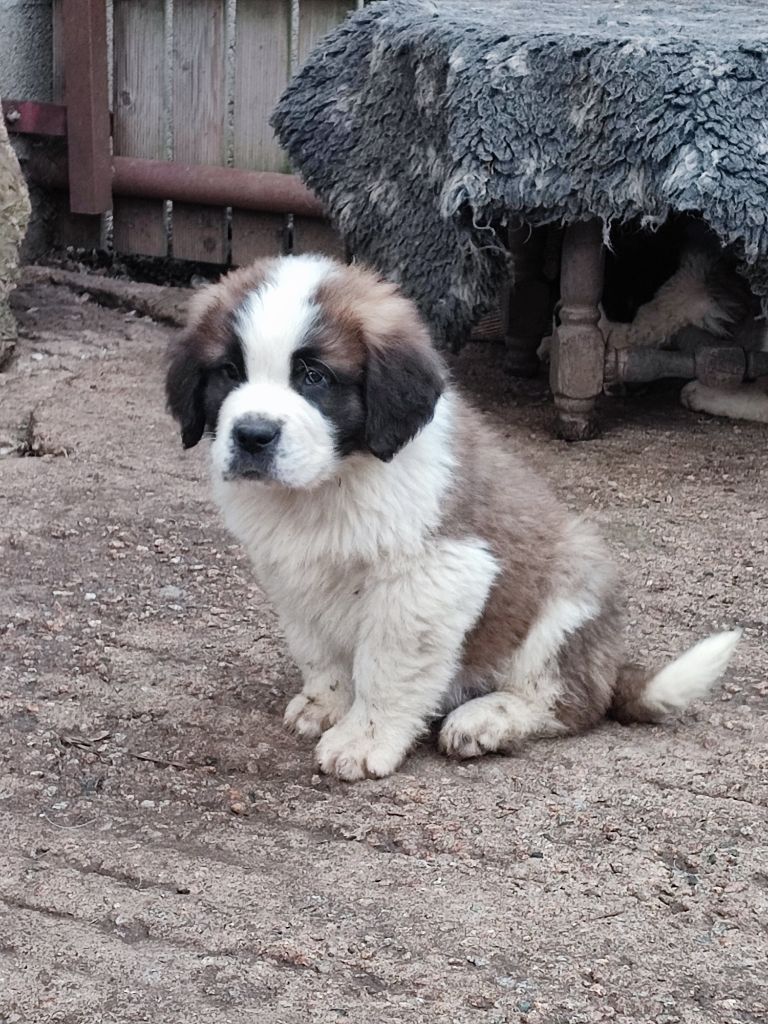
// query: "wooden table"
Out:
[422,126]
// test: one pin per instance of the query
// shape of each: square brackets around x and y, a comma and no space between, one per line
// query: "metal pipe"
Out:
[268,191]
[265,191]
[642,365]
[714,365]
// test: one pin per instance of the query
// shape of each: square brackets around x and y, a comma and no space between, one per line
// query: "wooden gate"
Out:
[190,85]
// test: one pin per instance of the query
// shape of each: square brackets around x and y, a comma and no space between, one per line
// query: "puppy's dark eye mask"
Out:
[308,372]
[229,371]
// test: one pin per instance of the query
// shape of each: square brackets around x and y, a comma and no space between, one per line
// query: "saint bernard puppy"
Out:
[418,569]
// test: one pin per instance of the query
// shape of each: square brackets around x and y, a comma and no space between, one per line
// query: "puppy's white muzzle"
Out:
[299,451]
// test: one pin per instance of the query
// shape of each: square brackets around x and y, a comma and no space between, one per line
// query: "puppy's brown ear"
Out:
[403,384]
[185,391]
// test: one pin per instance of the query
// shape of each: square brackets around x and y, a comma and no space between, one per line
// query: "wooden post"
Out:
[527,311]
[84,24]
[578,351]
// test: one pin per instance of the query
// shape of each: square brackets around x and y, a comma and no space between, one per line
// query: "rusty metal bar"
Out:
[215,186]
[26,117]
[266,191]
[87,99]
[715,365]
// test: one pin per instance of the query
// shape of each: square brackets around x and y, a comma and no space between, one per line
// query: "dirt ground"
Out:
[168,854]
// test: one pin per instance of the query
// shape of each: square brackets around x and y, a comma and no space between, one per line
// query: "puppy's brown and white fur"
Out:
[417,568]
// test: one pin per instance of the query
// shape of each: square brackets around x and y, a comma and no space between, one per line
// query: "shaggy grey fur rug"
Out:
[422,124]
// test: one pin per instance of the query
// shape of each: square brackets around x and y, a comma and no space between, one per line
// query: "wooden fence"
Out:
[161,115]
[194,82]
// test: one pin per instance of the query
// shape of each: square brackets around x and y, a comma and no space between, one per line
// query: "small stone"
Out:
[481,1002]
[147,803]
[237,803]
[90,596]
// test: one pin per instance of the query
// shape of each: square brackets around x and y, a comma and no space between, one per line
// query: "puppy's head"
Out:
[295,364]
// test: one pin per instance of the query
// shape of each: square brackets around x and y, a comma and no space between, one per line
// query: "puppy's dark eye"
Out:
[229,370]
[314,377]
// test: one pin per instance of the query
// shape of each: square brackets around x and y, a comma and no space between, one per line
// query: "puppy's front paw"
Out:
[351,752]
[309,715]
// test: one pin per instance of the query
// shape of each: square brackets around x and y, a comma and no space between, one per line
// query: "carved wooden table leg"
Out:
[527,311]
[578,350]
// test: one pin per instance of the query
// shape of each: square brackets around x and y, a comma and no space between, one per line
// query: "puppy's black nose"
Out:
[254,434]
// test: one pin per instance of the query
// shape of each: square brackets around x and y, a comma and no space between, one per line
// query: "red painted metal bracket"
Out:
[26,117]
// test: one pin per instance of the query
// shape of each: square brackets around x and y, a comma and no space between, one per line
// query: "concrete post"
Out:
[14,217]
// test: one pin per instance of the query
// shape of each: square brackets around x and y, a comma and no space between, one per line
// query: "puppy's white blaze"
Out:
[305,454]
[273,321]
[692,675]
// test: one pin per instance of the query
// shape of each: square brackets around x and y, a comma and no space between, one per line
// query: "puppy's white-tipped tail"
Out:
[640,697]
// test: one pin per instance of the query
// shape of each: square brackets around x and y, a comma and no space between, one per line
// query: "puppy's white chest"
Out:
[326,600]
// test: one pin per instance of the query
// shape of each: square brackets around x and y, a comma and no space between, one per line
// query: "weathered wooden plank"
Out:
[199,120]
[316,19]
[256,235]
[262,70]
[139,117]
[318,236]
